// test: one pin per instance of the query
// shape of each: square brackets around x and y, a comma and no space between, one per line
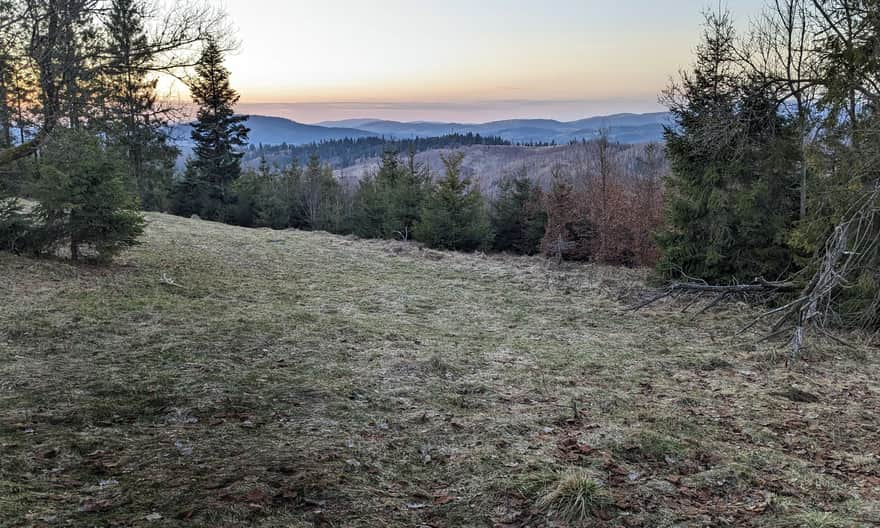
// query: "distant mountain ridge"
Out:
[269,130]
[624,128]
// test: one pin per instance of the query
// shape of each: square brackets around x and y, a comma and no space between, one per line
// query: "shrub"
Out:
[519,218]
[454,215]
[15,226]
[82,198]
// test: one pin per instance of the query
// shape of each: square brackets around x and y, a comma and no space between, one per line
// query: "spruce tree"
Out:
[134,119]
[569,234]
[407,198]
[219,136]
[518,215]
[373,199]
[83,200]
[389,203]
[732,154]
[454,215]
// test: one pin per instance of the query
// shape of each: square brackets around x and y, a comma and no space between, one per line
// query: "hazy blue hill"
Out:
[404,130]
[276,130]
[624,128]
[622,120]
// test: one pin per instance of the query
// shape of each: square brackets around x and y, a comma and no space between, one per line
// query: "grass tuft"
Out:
[576,497]
[818,520]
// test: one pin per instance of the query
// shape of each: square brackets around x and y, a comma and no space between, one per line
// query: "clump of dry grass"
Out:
[816,519]
[576,497]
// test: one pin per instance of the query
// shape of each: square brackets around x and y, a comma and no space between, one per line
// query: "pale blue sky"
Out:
[461,60]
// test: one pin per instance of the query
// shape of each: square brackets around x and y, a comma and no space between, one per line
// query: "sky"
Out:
[461,60]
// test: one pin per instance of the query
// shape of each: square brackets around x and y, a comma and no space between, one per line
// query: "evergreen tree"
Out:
[518,215]
[83,199]
[389,203]
[244,204]
[272,208]
[454,214]
[373,200]
[320,197]
[289,183]
[219,136]
[732,155]
[570,234]
[407,198]
[134,120]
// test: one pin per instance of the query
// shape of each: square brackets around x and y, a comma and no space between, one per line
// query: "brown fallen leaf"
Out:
[443,499]
[256,496]
[95,505]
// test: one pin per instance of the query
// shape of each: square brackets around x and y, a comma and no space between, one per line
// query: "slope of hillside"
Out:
[220,376]
[487,164]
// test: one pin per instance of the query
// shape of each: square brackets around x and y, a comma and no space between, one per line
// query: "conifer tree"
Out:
[389,203]
[454,215]
[320,197]
[569,233]
[518,215]
[134,120]
[408,197]
[219,136]
[83,199]
[732,156]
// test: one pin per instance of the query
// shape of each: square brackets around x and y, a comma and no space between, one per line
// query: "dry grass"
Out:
[576,497]
[302,379]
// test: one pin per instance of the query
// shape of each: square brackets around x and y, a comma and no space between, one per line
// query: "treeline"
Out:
[774,158]
[600,212]
[83,135]
[346,152]
[82,132]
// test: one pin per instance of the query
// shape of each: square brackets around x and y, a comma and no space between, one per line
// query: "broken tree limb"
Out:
[758,286]
[850,249]
[769,313]
[711,305]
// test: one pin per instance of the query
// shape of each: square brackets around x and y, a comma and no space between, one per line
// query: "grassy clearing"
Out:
[302,379]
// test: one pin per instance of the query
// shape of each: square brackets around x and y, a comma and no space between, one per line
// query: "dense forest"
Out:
[341,153]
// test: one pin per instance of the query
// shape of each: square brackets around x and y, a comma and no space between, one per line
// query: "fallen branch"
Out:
[850,248]
[711,305]
[759,286]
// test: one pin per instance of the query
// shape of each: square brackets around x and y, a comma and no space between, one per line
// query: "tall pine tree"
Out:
[134,120]
[219,135]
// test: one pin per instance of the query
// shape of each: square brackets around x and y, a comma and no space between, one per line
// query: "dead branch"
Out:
[849,248]
[758,286]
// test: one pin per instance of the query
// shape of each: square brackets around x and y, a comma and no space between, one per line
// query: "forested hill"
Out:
[346,152]
[622,128]
[267,130]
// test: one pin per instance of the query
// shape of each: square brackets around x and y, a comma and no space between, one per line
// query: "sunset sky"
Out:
[461,60]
